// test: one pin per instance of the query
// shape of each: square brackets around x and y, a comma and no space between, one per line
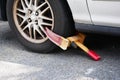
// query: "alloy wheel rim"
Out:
[31,17]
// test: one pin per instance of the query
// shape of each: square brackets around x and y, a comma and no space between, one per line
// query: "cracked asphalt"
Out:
[17,63]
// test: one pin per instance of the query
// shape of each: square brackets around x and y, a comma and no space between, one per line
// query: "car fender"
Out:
[80,11]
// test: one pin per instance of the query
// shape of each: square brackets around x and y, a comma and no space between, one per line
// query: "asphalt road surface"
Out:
[17,63]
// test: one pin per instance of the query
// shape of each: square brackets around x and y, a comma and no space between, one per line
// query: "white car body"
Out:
[97,12]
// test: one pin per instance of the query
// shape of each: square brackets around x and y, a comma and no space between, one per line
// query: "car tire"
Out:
[63,23]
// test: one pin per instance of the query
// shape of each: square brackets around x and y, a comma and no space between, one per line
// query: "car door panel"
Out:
[105,12]
[80,11]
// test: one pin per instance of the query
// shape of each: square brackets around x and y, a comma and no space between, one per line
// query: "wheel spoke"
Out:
[29,28]
[23,4]
[46,24]
[34,33]
[30,32]
[44,10]
[25,27]
[40,32]
[30,4]
[41,5]
[46,18]
[22,22]
[20,10]
[20,15]
[27,3]
[35,3]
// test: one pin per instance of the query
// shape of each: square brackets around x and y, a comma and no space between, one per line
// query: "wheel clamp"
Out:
[75,41]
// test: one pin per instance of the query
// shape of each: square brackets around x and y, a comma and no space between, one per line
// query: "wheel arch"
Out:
[66,4]
[3,4]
